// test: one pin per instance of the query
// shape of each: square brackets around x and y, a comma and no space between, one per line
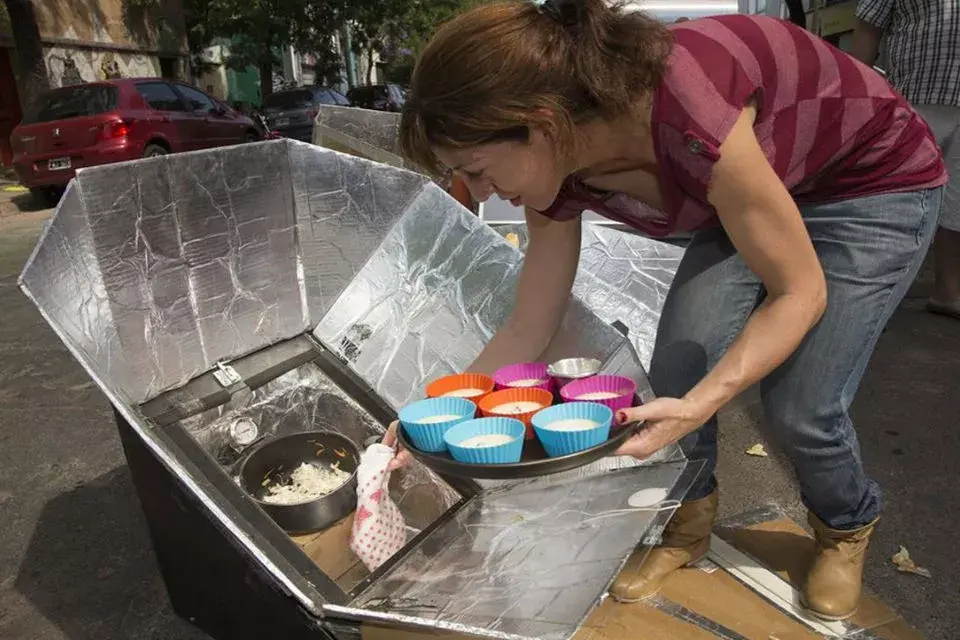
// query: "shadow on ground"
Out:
[89,567]
[26,203]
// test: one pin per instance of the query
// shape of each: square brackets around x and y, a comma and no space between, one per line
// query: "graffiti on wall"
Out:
[76,66]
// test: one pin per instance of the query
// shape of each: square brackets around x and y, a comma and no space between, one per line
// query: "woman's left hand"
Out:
[666,420]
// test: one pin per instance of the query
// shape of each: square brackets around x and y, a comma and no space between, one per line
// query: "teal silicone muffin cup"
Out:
[571,427]
[426,421]
[503,453]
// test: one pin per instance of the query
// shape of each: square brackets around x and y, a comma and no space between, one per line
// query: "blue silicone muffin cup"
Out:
[499,454]
[429,437]
[561,443]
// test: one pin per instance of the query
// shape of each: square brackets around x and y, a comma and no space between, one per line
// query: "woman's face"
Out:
[528,174]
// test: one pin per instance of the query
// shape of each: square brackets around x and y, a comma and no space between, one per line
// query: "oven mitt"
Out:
[378,527]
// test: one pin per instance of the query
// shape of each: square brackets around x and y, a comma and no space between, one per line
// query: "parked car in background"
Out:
[380,97]
[103,122]
[291,113]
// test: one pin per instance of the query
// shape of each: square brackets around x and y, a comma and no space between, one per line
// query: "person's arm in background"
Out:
[872,18]
[543,288]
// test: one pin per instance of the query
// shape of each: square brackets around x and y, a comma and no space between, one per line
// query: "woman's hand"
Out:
[403,457]
[666,420]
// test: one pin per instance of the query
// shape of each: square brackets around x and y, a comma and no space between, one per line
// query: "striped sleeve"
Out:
[875,12]
[713,76]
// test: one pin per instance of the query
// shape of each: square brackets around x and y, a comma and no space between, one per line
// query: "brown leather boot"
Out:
[685,540]
[833,585]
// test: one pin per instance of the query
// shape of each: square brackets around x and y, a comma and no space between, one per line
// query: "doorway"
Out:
[10,113]
[168,68]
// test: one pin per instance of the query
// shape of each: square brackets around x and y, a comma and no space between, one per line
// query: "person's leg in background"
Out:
[871,250]
[709,302]
[945,122]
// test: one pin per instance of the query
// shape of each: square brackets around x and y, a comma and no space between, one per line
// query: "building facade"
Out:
[95,40]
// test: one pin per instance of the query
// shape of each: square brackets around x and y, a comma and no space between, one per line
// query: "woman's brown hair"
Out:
[493,72]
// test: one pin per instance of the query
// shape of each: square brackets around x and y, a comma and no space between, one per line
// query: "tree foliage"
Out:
[398,29]
[259,29]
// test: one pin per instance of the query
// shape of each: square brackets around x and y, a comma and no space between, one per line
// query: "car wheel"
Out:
[251,137]
[45,197]
[154,150]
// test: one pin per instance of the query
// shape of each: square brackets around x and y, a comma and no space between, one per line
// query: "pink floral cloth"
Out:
[378,527]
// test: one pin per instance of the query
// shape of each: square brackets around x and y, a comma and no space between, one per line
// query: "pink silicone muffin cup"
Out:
[505,377]
[625,388]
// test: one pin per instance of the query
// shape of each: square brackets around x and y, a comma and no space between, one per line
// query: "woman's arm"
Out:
[546,279]
[765,226]
[543,289]
[866,42]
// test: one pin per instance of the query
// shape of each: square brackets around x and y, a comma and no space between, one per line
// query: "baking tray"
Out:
[533,463]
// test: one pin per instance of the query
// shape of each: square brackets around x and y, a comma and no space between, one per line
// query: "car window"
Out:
[397,94]
[160,96]
[197,100]
[300,99]
[339,98]
[73,102]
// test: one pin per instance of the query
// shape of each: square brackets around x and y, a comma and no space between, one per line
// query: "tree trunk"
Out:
[370,66]
[32,79]
[266,78]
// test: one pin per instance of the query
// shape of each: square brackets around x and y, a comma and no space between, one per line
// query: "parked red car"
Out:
[103,122]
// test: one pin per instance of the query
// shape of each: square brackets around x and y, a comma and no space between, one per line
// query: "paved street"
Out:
[75,558]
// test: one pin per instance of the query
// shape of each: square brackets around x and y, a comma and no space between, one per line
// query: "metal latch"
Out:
[621,327]
[226,375]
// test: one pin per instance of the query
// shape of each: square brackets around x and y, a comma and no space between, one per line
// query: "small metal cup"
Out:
[570,369]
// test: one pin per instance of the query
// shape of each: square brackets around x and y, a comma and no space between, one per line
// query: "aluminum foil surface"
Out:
[305,399]
[364,132]
[158,269]
[524,561]
[432,295]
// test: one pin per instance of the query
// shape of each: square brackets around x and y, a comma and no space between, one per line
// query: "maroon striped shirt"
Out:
[831,127]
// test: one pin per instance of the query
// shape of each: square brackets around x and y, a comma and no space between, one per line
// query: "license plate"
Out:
[58,164]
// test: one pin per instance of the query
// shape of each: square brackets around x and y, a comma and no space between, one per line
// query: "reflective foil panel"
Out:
[431,296]
[364,132]
[528,560]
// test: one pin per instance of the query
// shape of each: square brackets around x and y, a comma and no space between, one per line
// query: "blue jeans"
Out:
[871,249]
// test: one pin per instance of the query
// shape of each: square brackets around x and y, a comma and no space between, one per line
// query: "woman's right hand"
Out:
[543,290]
[402,457]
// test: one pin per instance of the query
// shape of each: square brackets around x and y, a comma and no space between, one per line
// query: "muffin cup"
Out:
[429,436]
[561,443]
[625,388]
[525,371]
[442,386]
[519,394]
[497,454]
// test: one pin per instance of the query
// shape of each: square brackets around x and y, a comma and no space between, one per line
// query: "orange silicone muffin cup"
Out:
[442,386]
[517,394]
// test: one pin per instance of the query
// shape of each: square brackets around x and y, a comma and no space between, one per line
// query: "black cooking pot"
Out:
[275,460]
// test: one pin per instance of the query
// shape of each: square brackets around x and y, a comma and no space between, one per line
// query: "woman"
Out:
[812,188]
